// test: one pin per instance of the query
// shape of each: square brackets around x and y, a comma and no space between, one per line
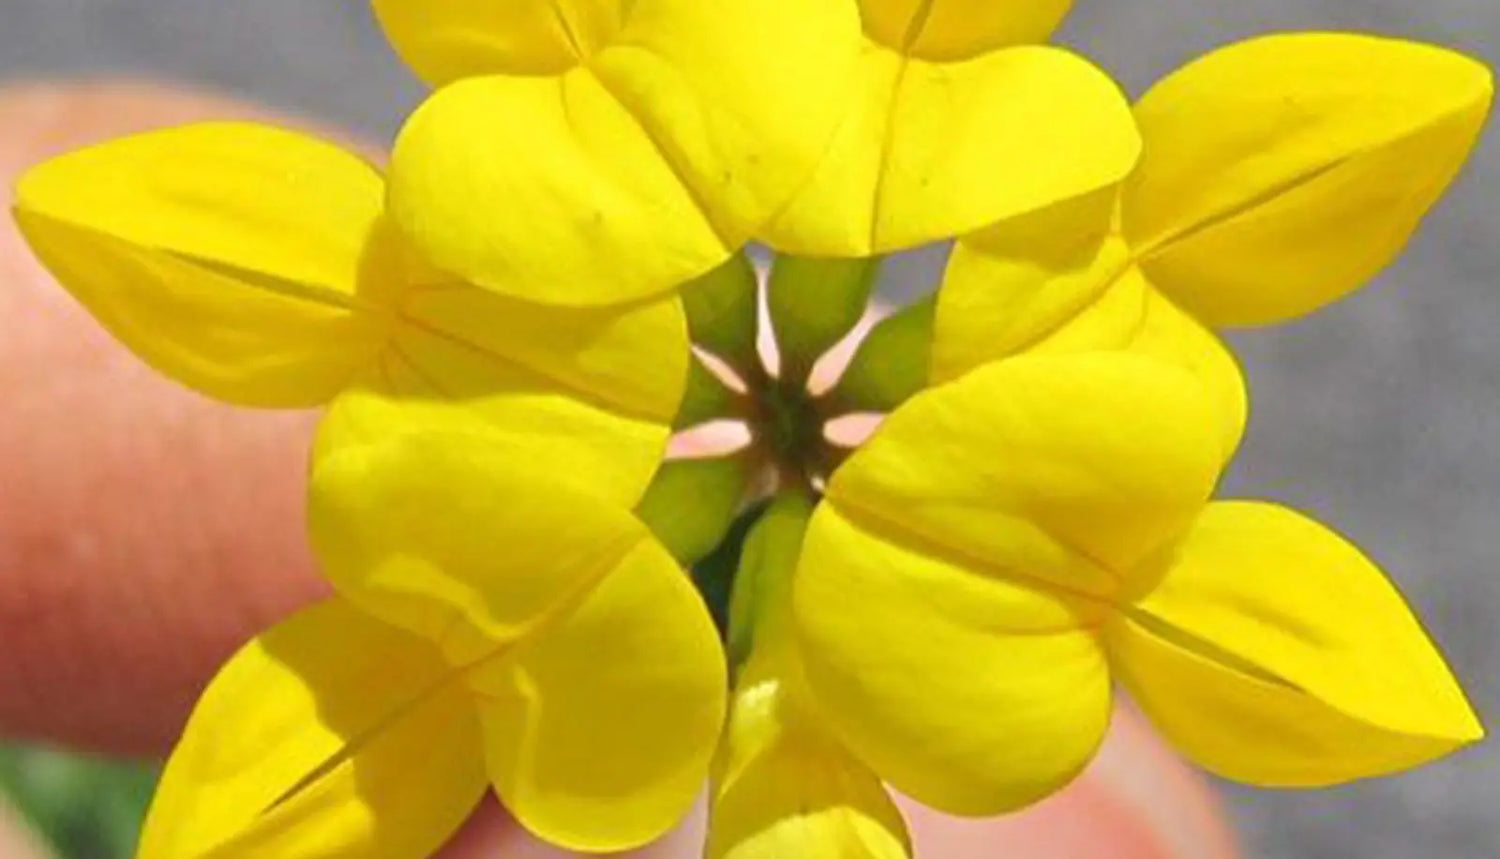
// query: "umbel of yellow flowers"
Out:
[507,327]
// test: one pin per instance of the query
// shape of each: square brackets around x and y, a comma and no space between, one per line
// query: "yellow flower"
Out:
[257,266]
[1279,174]
[1009,542]
[783,785]
[495,626]
[670,132]
[954,123]
[594,151]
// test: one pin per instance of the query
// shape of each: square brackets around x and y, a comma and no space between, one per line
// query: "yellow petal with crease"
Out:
[456,538]
[599,729]
[1044,467]
[1284,172]
[1132,316]
[1273,652]
[1061,281]
[231,194]
[332,734]
[958,29]
[585,392]
[928,151]
[443,41]
[970,692]
[783,786]
[595,665]
[741,96]
[547,189]
[1012,285]
[227,255]
[638,172]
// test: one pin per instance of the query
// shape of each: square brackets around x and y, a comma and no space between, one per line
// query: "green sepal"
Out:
[714,575]
[691,503]
[814,303]
[723,314]
[706,398]
[760,606]
[891,364]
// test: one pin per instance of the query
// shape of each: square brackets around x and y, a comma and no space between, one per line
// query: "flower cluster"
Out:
[507,327]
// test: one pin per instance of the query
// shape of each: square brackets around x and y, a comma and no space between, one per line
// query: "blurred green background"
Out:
[82,807]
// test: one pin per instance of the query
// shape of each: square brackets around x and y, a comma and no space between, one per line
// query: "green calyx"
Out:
[703,508]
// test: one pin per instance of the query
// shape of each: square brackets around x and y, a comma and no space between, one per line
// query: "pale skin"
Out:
[145,532]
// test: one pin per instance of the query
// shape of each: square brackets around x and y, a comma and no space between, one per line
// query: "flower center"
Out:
[788,425]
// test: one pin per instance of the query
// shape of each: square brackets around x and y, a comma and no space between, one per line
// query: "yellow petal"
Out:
[1273,652]
[588,393]
[459,38]
[227,255]
[958,29]
[784,787]
[1060,280]
[964,689]
[457,539]
[234,195]
[547,189]
[1042,467]
[928,151]
[1132,316]
[599,731]
[330,735]
[1283,172]
[1010,286]
[638,172]
[742,96]
[598,672]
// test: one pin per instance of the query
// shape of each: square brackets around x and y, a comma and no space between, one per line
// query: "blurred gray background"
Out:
[1381,414]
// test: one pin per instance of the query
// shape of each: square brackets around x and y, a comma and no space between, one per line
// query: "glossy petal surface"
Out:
[969,692]
[1283,172]
[637,172]
[227,255]
[1273,652]
[562,607]
[785,787]
[599,732]
[451,537]
[951,582]
[1012,285]
[444,41]
[589,393]
[547,189]
[1133,316]
[1044,467]
[330,735]
[957,29]
[927,151]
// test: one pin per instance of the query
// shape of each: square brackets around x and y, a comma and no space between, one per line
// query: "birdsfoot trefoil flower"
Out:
[257,265]
[555,278]
[495,627]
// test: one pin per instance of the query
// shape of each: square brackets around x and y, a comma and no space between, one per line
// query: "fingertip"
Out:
[145,532]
